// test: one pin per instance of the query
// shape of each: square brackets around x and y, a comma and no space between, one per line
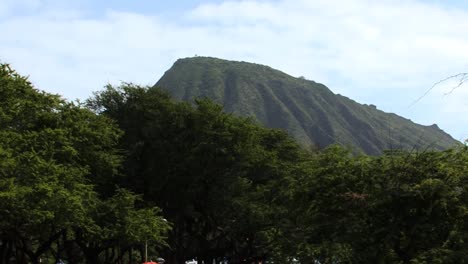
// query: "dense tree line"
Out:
[90,183]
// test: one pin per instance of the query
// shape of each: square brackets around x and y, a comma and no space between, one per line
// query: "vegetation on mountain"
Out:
[309,111]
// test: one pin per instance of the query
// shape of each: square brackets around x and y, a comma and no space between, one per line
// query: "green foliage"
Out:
[233,189]
[58,164]
[204,167]
[92,183]
[397,208]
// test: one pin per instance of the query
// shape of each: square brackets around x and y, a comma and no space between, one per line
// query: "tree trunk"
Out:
[130,256]
[4,251]
[92,256]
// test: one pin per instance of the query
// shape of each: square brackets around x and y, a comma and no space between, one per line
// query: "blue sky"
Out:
[386,52]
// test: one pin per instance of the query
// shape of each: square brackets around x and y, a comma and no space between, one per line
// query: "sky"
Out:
[388,52]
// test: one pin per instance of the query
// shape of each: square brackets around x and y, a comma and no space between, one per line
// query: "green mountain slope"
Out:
[309,111]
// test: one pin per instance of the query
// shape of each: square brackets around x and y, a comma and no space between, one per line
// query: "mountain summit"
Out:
[309,111]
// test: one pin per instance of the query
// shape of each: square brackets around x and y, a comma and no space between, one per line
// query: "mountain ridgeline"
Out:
[307,110]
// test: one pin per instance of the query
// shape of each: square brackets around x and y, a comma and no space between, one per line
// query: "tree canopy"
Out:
[58,169]
[93,182]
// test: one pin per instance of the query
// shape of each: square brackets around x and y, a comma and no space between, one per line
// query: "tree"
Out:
[397,208]
[418,206]
[209,171]
[120,227]
[58,163]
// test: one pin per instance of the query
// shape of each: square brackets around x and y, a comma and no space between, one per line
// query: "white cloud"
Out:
[382,52]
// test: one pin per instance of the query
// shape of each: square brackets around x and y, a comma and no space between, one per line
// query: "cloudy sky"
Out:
[386,52]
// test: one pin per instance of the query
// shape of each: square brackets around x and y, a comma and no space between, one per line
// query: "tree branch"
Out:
[463,78]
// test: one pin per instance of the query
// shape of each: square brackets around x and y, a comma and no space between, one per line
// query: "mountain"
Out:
[309,111]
